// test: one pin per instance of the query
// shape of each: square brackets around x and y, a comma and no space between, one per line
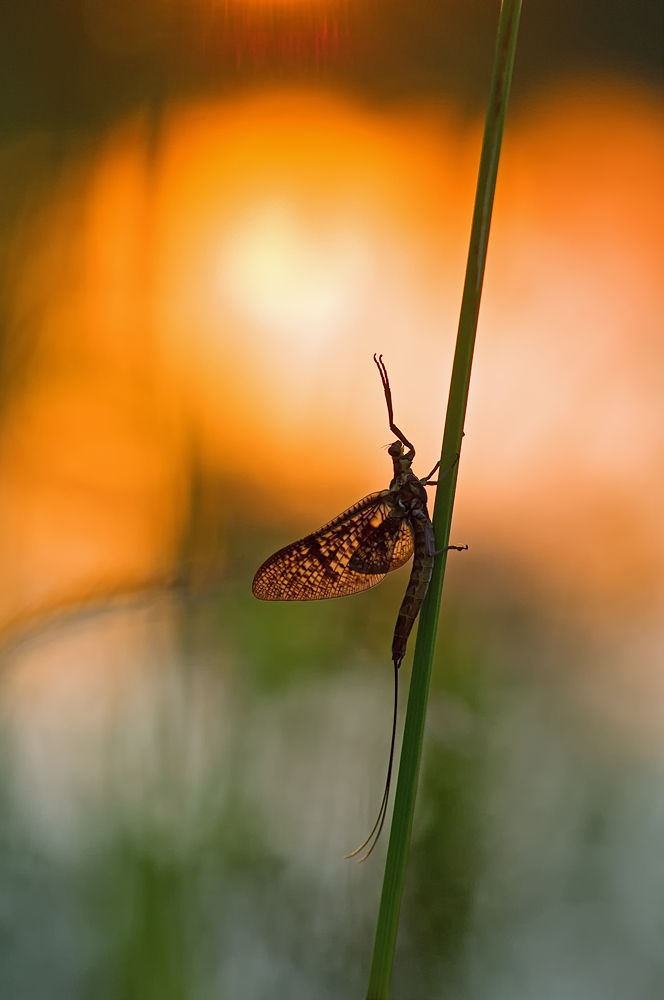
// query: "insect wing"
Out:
[387,547]
[317,566]
[403,547]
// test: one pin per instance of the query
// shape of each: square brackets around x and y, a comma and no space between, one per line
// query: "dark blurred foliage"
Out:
[79,63]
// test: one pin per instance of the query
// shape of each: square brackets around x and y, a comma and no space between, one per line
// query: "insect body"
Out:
[356,550]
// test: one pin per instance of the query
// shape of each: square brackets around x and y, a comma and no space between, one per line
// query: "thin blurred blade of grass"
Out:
[411,752]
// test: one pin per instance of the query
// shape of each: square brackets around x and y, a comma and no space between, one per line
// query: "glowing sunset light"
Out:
[287,278]
[236,284]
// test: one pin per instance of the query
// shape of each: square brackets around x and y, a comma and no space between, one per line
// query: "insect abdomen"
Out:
[418,584]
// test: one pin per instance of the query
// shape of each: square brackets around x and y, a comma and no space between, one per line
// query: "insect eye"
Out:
[395,449]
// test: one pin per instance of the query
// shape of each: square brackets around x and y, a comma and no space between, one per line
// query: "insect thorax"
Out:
[408,492]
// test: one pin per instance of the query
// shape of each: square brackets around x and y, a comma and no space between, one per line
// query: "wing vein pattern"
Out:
[349,554]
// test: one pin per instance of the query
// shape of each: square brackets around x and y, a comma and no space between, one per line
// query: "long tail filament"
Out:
[372,839]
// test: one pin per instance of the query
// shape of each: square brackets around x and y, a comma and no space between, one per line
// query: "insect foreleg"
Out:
[427,479]
[380,365]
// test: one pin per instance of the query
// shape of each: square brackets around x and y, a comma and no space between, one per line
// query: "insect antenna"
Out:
[380,365]
[372,839]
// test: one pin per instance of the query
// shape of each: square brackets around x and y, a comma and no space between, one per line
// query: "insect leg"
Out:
[427,479]
[380,365]
[457,548]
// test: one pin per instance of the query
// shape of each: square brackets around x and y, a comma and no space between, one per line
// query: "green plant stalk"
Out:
[411,751]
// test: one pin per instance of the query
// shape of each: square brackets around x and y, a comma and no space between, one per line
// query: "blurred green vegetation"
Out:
[205,859]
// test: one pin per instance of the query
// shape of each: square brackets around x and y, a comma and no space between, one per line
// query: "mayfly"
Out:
[356,550]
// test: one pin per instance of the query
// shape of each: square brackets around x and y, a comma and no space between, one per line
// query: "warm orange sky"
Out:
[228,284]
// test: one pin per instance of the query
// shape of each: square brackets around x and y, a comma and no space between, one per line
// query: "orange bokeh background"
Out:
[214,283]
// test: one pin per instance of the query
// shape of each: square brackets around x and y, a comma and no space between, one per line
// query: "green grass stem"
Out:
[411,751]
